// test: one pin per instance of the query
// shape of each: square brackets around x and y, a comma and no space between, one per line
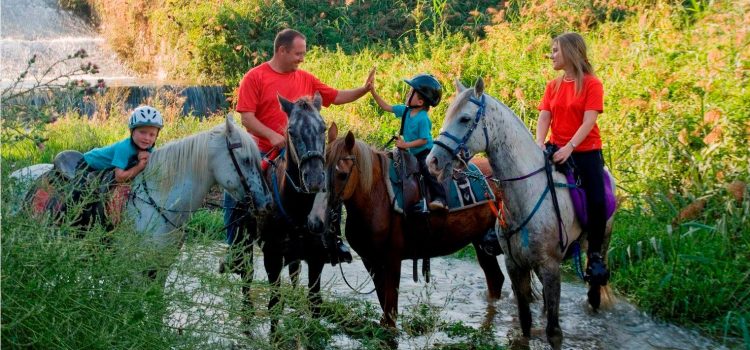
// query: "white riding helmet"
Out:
[145,116]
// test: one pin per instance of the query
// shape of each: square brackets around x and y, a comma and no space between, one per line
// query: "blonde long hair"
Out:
[573,48]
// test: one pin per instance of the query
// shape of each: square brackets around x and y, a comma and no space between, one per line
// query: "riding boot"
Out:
[596,272]
[343,253]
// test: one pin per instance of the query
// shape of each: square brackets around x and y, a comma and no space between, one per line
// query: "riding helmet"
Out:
[145,116]
[428,87]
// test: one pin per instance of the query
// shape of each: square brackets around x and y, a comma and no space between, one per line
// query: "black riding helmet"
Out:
[428,87]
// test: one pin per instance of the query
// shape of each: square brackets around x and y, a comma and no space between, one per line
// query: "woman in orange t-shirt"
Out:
[570,106]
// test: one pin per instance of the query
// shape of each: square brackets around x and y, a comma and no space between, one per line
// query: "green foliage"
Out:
[220,41]
[476,339]
[61,291]
[676,271]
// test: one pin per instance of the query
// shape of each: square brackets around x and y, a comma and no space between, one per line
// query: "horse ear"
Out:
[286,105]
[317,100]
[229,124]
[333,132]
[349,141]
[459,87]
[479,87]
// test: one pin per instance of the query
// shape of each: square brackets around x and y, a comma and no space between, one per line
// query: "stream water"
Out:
[457,290]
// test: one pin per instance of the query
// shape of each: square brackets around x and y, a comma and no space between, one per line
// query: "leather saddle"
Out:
[68,184]
[66,163]
[407,171]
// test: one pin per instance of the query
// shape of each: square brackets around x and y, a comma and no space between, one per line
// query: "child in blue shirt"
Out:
[425,92]
[128,157]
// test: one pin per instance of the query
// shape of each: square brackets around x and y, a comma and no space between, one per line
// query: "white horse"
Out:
[476,122]
[179,175]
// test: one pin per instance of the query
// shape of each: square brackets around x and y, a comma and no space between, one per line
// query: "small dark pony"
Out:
[294,179]
[380,235]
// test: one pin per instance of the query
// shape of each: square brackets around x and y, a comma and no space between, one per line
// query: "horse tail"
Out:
[607,297]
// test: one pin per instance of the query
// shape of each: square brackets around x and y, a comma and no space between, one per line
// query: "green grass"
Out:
[692,273]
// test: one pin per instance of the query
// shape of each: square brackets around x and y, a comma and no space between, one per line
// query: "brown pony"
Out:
[381,236]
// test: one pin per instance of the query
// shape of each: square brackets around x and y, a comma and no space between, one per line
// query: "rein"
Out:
[334,202]
[462,153]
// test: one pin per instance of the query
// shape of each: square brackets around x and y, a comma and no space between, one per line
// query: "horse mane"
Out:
[188,156]
[362,152]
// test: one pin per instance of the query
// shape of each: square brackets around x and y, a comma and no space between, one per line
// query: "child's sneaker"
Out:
[438,204]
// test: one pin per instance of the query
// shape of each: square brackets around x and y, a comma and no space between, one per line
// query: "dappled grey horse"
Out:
[178,177]
[533,237]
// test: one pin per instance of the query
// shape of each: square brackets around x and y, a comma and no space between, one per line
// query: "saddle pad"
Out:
[46,198]
[578,196]
[463,192]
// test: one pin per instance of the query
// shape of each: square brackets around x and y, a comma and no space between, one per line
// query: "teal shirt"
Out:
[122,154]
[416,127]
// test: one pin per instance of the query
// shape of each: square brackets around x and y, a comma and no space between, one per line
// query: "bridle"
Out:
[248,200]
[461,150]
[336,199]
[243,180]
[306,156]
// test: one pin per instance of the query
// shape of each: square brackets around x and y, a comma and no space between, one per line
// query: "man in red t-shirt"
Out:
[258,102]
[261,112]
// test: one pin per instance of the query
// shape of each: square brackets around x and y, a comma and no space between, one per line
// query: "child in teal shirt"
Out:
[128,157]
[425,92]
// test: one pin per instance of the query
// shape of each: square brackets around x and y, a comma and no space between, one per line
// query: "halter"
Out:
[243,179]
[461,151]
[307,155]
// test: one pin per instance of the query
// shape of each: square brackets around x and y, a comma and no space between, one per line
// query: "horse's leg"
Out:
[492,273]
[315,268]
[550,276]
[376,273]
[392,279]
[606,296]
[294,270]
[246,274]
[520,278]
[273,263]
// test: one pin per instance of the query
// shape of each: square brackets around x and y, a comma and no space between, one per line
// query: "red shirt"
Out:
[258,91]
[567,110]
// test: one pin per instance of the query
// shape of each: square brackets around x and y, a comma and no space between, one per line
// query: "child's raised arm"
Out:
[384,105]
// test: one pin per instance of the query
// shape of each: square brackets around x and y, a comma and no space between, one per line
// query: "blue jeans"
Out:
[230,223]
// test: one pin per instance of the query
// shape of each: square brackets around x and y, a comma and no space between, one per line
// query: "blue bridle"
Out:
[461,151]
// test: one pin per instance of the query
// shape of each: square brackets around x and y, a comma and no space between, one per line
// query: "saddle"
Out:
[66,184]
[408,180]
[66,163]
[578,194]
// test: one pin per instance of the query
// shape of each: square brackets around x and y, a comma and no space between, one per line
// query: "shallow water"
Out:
[458,290]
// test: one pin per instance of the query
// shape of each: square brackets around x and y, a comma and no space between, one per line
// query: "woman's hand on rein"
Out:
[562,154]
